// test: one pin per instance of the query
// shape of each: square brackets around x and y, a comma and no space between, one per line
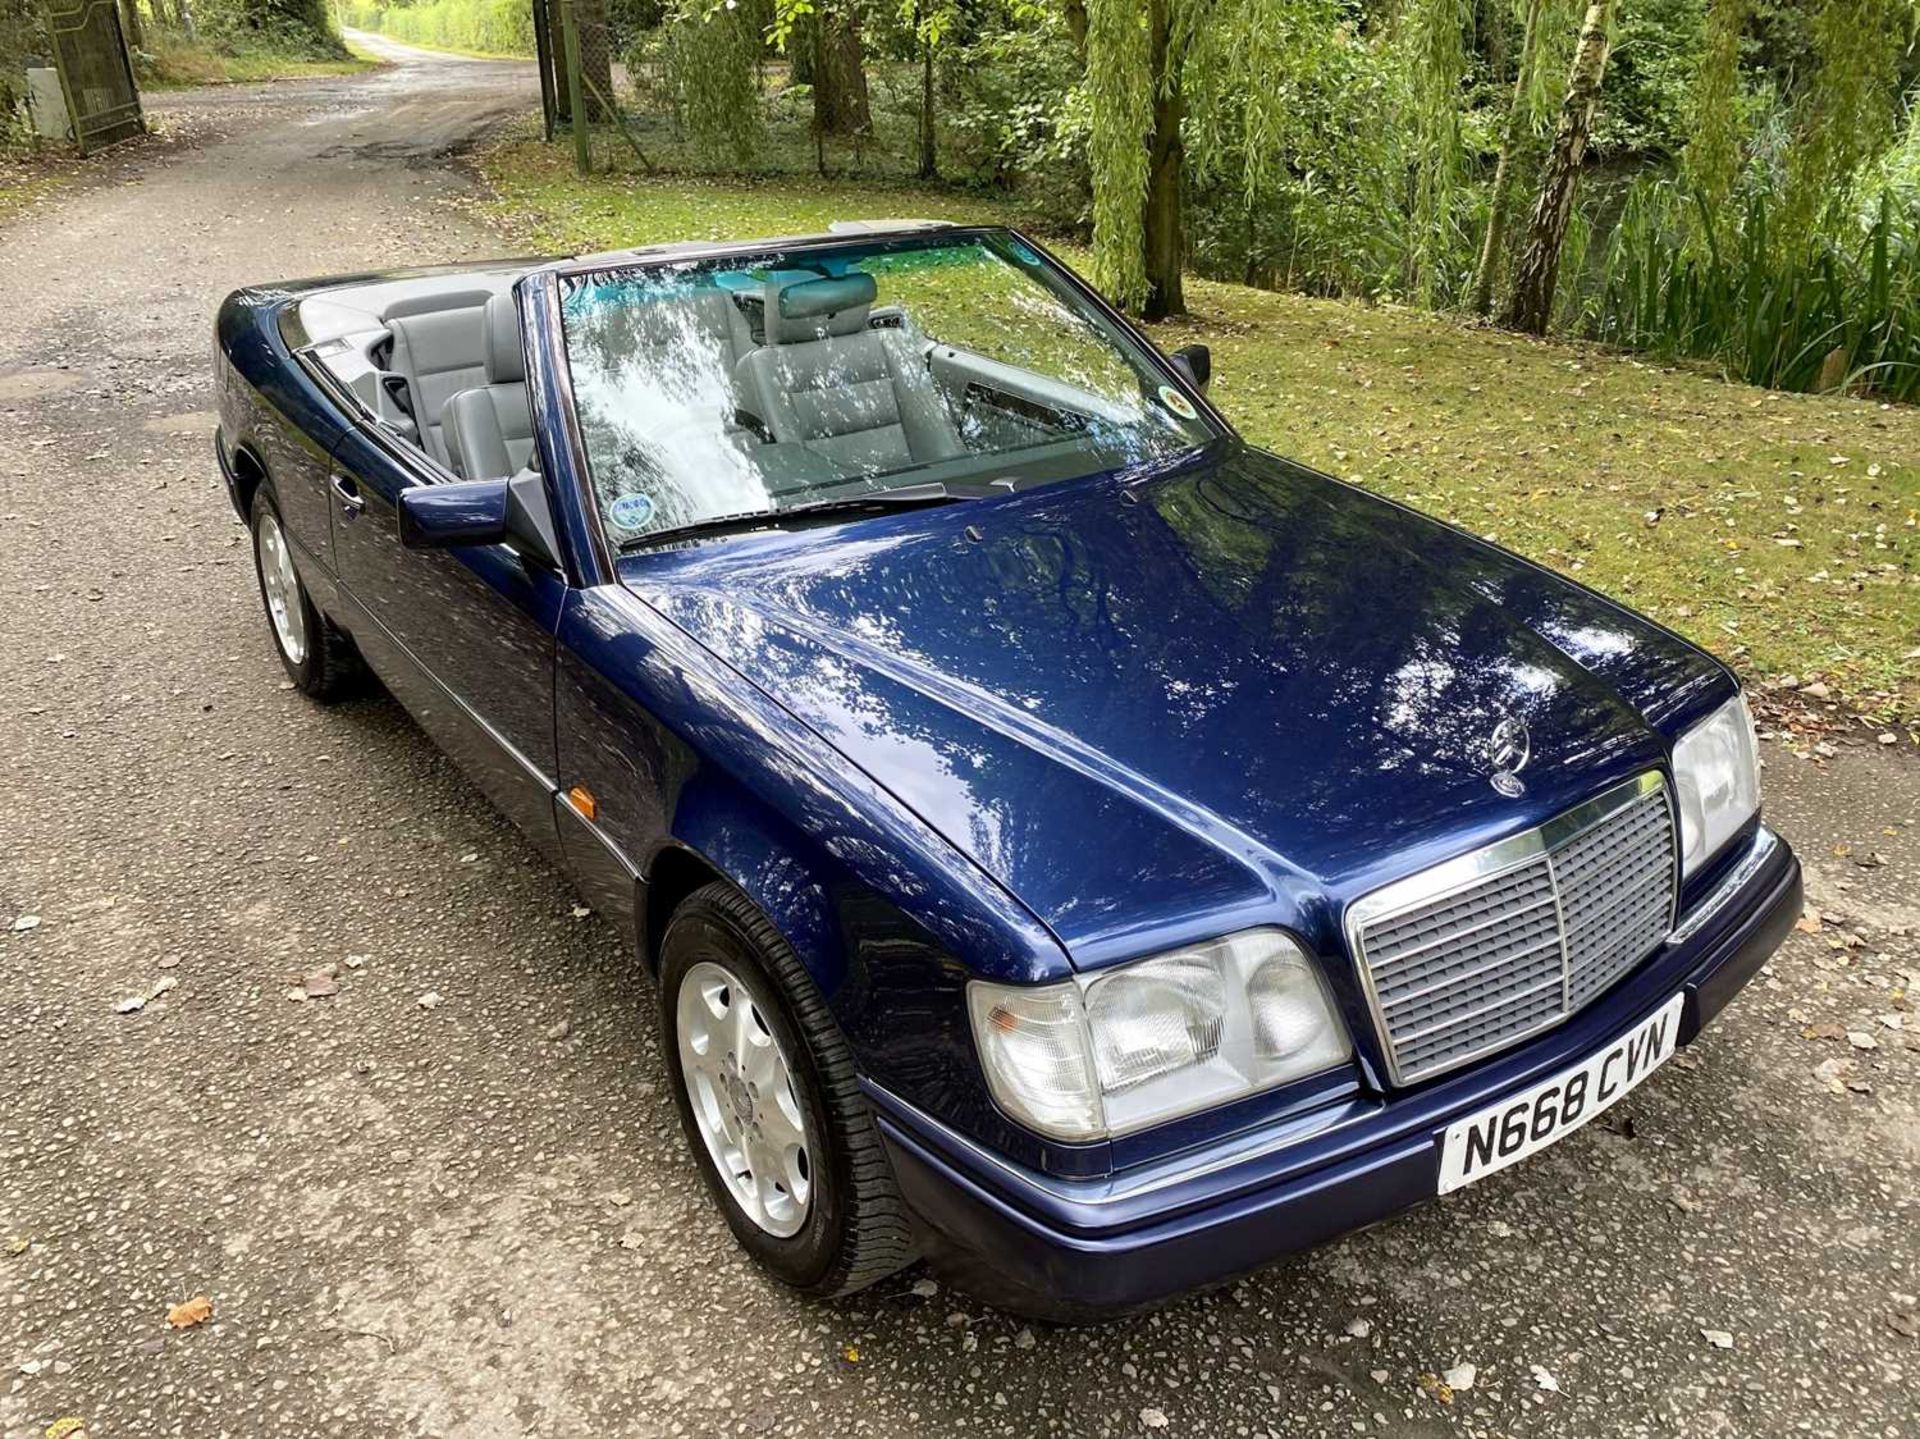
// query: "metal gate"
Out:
[96,74]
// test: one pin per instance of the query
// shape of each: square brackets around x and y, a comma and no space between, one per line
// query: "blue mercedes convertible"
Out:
[1070,843]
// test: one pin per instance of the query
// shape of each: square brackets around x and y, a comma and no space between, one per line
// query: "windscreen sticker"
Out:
[632,512]
[1021,253]
[1178,403]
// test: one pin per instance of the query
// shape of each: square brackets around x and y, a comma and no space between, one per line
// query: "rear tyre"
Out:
[320,659]
[766,1091]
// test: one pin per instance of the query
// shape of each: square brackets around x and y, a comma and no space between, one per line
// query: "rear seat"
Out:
[489,427]
[439,352]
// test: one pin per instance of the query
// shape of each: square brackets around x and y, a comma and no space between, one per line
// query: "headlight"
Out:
[1716,771]
[1117,1051]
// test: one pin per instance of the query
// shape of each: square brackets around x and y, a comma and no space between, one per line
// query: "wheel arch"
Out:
[249,473]
[728,838]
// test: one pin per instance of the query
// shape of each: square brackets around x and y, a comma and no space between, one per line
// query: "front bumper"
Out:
[1080,1248]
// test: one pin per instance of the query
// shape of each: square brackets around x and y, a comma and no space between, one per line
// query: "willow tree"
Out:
[1136,56]
[1711,162]
[1433,37]
[712,59]
[1538,272]
[1845,116]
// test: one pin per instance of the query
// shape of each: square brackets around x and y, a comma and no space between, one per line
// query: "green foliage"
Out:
[1845,116]
[476,27]
[21,41]
[301,28]
[1833,311]
[1433,46]
[1711,161]
[1295,179]
[1014,111]
[1649,93]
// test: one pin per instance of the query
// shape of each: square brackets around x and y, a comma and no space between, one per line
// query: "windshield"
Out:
[749,385]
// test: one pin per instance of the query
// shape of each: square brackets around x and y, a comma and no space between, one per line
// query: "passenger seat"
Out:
[861,398]
[489,428]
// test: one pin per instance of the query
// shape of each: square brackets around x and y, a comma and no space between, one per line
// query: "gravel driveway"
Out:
[479,1218]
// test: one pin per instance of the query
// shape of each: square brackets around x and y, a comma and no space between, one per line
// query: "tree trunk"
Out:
[130,25]
[1480,301]
[840,77]
[596,58]
[557,52]
[1165,237]
[1077,28]
[929,160]
[1539,270]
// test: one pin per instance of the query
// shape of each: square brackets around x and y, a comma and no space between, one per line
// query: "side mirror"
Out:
[482,512]
[1196,363]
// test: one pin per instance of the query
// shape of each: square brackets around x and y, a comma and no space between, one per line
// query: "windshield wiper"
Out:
[907,497]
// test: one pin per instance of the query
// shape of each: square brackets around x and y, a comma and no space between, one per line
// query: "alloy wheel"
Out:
[281,587]
[741,1088]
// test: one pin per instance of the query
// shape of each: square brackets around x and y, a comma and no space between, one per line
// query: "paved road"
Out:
[446,1221]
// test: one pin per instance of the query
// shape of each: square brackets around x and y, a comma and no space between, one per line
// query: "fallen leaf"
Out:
[1153,1418]
[1434,1385]
[1460,1378]
[320,985]
[430,1000]
[1904,1321]
[71,1427]
[1358,1328]
[1831,1072]
[1545,1380]
[197,1310]
[25,923]
[1718,1338]
[1824,1030]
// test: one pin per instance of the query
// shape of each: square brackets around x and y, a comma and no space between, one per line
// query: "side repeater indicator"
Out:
[583,803]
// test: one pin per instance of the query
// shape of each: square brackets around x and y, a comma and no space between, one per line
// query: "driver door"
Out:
[464,638]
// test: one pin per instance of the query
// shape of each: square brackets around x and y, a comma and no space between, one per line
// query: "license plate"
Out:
[1509,1131]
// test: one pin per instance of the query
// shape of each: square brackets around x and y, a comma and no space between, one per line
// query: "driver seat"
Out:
[859,397]
[489,428]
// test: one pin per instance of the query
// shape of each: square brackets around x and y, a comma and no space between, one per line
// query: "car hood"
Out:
[1233,693]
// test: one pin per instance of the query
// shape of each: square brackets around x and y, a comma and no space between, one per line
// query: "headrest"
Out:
[812,307]
[506,361]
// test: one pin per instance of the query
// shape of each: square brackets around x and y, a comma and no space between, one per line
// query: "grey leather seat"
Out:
[859,397]
[489,428]
[439,353]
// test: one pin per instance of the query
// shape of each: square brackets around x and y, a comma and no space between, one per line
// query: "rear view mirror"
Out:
[482,512]
[1195,362]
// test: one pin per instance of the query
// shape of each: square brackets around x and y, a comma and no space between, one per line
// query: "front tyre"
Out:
[320,660]
[765,1087]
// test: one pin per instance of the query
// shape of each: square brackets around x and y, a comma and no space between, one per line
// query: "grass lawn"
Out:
[1780,531]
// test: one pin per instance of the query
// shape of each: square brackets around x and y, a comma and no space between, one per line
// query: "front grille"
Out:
[1481,951]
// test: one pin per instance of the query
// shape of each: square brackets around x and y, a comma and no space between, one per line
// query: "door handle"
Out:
[352,502]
